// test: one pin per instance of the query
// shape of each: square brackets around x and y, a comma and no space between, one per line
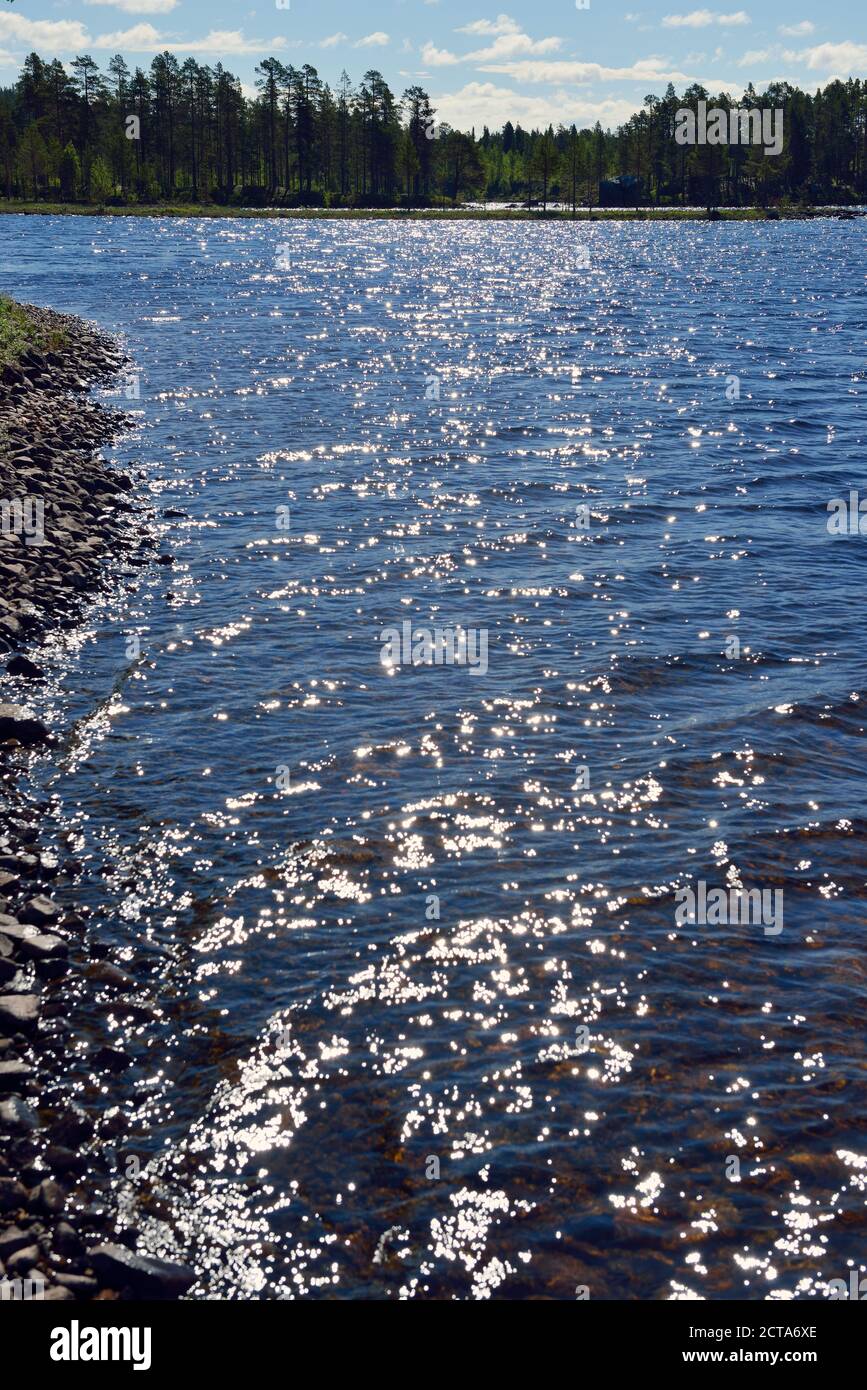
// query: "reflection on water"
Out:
[409,1011]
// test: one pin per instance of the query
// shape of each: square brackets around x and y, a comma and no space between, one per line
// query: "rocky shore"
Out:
[64,513]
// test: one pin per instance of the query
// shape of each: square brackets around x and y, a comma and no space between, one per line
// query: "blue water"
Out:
[415,1016]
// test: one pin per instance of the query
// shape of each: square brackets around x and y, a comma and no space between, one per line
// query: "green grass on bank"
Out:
[20,331]
[415,214]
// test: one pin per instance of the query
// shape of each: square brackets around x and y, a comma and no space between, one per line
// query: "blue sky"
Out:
[539,63]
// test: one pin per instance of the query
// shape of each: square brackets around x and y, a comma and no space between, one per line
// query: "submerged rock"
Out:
[119,1268]
[22,666]
[102,972]
[19,724]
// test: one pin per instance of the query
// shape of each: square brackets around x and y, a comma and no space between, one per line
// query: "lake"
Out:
[432,1003]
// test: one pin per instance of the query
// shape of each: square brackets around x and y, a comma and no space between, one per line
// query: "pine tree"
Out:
[70,174]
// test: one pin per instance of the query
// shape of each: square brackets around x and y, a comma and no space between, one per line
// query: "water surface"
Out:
[413,1015]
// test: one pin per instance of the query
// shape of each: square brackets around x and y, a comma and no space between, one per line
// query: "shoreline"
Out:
[474,214]
[63,513]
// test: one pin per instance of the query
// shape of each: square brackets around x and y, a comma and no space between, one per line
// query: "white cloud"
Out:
[501,25]
[799,30]
[59,35]
[484,104]
[504,47]
[513,46]
[377,40]
[333,40]
[755,55]
[223,42]
[651,71]
[702,19]
[138,6]
[845,59]
[833,57]
[144,38]
[70,36]
[433,57]
[141,38]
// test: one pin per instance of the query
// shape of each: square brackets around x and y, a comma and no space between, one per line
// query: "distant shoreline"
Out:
[474,214]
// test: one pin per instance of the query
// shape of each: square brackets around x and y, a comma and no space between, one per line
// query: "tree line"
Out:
[187,133]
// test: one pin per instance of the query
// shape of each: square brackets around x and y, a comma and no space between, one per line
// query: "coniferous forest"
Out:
[184,133]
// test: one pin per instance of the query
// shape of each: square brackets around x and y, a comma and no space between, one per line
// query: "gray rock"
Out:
[19,1013]
[22,1261]
[58,1294]
[49,864]
[79,1285]
[18,864]
[49,1197]
[62,1160]
[16,1115]
[119,1268]
[14,1239]
[23,936]
[39,912]
[67,1242]
[15,1074]
[13,1194]
[42,946]
[8,968]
